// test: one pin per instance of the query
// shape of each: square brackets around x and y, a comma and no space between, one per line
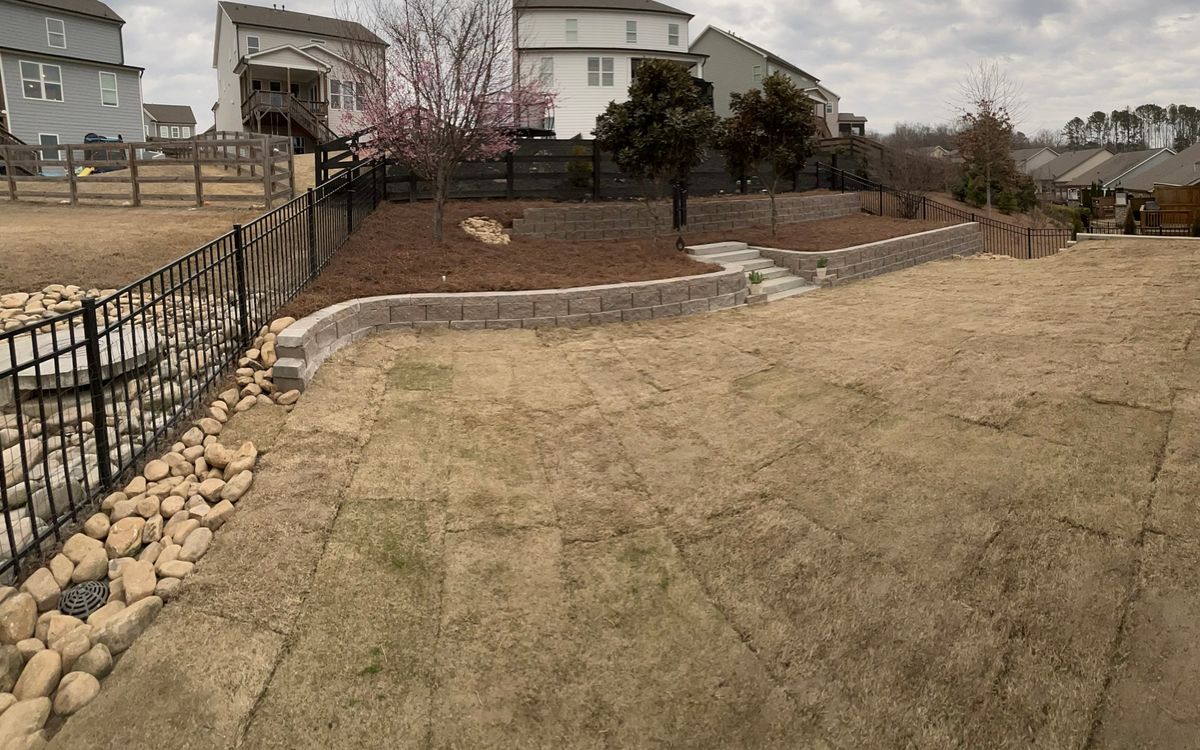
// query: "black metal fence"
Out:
[999,237]
[87,395]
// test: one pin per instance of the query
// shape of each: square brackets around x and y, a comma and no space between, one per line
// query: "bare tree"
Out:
[989,106]
[450,90]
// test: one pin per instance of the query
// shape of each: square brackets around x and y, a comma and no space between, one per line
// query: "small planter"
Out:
[756,281]
[756,289]
[821,271]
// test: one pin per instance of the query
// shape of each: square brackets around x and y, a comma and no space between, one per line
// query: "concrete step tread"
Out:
[714,248]
[784,282]
[731,257]
[776,296]
[771,273]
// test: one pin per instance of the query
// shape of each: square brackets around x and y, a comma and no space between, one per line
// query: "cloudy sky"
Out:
[891,60]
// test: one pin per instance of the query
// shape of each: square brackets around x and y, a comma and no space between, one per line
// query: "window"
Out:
[251,45]
[572,29]
[335,94]
[757,72]
[174,131]
[600,71]
[546,72]
[548,121]
[42,81]
[829,109]
[164,131]
[631,32]
[56,33]
[673,34]
[49,139]
[108,89]
[185,131]
[345,95]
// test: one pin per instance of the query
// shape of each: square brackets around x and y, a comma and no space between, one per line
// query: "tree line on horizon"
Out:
[1175,126]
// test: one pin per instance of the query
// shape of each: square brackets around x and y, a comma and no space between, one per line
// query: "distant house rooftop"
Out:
[1065,162]
[1180,170]
[766,53]
[851,117]
[173,113]
[1117,167]
[645,6]
[305,23]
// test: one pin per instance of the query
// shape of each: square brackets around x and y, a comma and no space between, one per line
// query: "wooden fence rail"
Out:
[216,167]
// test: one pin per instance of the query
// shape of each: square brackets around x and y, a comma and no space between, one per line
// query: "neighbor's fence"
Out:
[999,237]
[1167,222]
[215,167]
[86,395]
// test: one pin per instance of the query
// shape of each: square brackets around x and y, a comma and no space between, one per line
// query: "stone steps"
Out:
[778,282]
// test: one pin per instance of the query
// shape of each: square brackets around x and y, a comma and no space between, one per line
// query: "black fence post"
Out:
[595,171]
[91,334]
[818,176]
[509,167]
[239,265]
[881,199]
[1028,243]
[310,208]
[349,202]
[924,207]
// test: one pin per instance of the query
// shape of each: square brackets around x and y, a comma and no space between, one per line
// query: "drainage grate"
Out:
[84,599]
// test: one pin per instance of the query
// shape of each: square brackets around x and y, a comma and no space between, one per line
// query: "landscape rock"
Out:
[24,718]
[40,676]
[217,515]
[169,554]
[280,324]
[237,486]
[97,662]
[11,664]
[217,455]
[18,618]
[61,568]
[168,588]
[171,506]
[97,526]
[181,531]
[29,646]
[210,489]
[196,545]
[59,626]
[288,398]
[77,547]
[6,701]
[92,567]
[150,552]
[123,509]
[104,614]
[125,537]
[153,530]
[120,632]
[139,581]
[72,646]
[176,569]
[157,470]
[116,567]
[193,437]
[148,506]
[76,691]
[43,588]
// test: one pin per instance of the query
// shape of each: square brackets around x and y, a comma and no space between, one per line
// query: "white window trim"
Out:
[568,31]
[164,131]
[185,131]
[631,32]
[174,131]
[757,73]
[42,81]
[116,89]
[675,34]
[63,33]
[600,72]
[546,71]
[257,44]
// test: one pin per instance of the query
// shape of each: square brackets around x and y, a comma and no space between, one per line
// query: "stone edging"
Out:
[307,343]
[874,258]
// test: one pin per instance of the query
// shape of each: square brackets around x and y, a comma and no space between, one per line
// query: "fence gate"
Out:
[336,156]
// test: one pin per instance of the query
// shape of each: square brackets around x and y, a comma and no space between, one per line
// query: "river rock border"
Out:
[874,258]
[306,344]
[145,541]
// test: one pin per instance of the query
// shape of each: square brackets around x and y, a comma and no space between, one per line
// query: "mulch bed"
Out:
[394,253]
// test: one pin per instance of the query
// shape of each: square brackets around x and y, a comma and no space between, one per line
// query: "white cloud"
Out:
[891,60]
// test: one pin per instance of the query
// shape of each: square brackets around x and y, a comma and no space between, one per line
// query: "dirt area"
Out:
[392,254]
[952,506]
[824,234]
[99,246]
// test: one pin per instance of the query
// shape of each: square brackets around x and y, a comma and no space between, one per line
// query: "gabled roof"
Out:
[850,117]
[1025,154]
[1181,169]
[305,23]
[180,113]
[1065,162]
[267,54]
[93,8]
[770,56]
[645,6]
[1114,169]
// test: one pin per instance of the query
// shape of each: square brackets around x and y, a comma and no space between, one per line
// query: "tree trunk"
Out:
[987,172]
[439,207]
[774,216]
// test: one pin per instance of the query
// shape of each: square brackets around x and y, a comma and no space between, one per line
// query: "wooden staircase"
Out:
[310,116]
[15,155]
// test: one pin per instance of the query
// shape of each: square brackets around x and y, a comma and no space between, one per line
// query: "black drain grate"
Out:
[84,599]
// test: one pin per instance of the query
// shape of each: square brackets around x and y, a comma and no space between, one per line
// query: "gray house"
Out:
[169,121]
[63,73]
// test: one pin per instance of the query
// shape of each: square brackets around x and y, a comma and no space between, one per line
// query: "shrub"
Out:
[1006,202]
[579,171]
[1130,227]
[822,262]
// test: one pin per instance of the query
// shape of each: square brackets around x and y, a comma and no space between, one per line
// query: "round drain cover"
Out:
[83,599]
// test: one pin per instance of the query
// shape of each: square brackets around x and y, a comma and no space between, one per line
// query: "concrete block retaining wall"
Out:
[305,344]
[615,221]
[872,259]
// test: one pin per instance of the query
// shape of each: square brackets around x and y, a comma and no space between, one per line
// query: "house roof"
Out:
[1064,163]
[769,55]
[78,60]
[305,23]
[1181,169]
[93,8]
[850,117]
[180,113]
[1115,168]
[1025,154]
[645,6]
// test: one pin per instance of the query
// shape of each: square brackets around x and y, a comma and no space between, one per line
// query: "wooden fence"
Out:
[213,167]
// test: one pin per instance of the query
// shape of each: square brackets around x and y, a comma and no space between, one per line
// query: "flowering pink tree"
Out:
[449,91]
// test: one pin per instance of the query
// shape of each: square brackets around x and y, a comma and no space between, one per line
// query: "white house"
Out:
[587,52]
[287,73]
